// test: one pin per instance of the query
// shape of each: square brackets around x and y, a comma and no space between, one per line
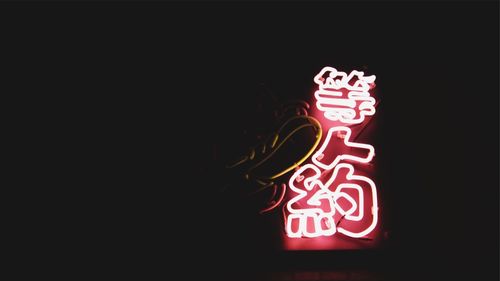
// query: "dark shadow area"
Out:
[167,92]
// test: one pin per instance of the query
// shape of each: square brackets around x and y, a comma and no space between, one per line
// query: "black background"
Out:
[131,73]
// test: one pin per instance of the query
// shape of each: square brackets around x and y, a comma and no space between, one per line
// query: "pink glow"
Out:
[343,97]
[329,195]
[332,145]
[316,204]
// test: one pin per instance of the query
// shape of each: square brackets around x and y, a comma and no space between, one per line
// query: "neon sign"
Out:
[316,217]
[331,190]
[343,97]
[332,144]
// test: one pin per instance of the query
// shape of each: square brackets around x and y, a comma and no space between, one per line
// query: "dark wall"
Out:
[173,85]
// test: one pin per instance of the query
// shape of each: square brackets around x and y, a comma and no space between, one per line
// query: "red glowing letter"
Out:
[334,142]
[344,98]
[319,206]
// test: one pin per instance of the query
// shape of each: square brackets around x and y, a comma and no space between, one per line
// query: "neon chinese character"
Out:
[335,148]
[319,206]
[313,210]
[343,97]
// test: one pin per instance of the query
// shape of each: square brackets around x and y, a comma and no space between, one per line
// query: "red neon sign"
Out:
[330,145]
[332,195]
[343,97]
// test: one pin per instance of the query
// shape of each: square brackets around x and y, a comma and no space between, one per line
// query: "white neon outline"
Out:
[338,108]
[302,226]
[309,184]
[352,201]
[318,155]
[344,109]
[317,214]
[324,192]
[289,222]
[361,84]
[374,209]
